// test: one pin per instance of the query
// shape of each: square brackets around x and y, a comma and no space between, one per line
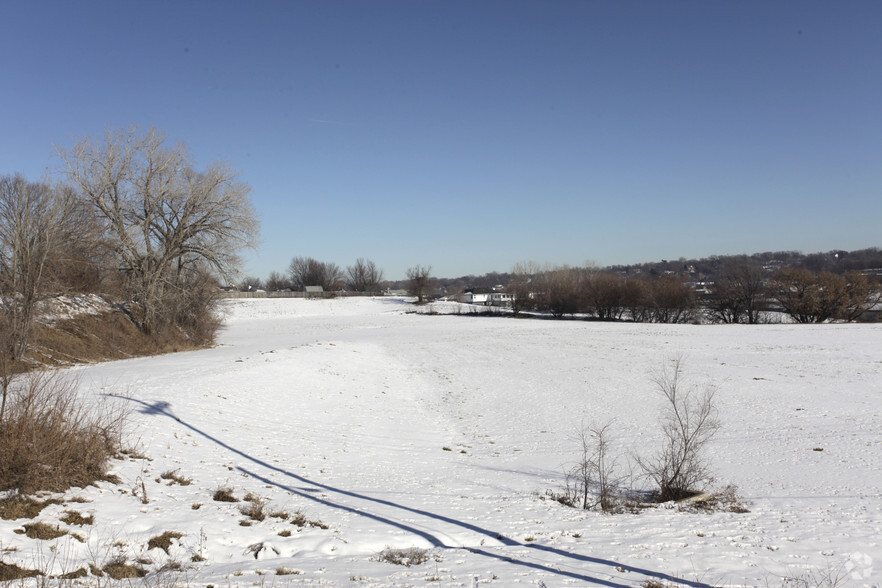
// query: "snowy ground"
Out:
[443,432]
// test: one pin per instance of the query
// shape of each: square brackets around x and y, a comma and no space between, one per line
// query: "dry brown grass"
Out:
[13,572]
[51,440]
[163,541]
[73,517]
[175,477]
[255,509]
[224,494]
[120,569]
[94,338]
[43,531]
[23,507]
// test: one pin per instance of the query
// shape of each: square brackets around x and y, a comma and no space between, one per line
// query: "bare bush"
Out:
[592,482]
[51,440]
[413,556]
[688,423]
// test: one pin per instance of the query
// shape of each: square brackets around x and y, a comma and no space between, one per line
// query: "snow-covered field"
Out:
[443,433]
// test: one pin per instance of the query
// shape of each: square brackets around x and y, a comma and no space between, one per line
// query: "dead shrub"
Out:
[413,556]
[593,482]
[224,494]
[688,422]
[50,440]
[255,509]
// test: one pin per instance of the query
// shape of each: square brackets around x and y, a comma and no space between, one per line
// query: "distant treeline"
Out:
[704,269]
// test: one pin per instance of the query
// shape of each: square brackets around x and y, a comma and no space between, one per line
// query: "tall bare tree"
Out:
[276,281]
[35,220]
[166,220]
[521,285]
[364,276]
[418,278]
[739,294]
[306,271]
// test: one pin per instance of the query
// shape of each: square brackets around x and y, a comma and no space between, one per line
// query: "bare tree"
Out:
[306,271]
[250,284]
[605,295]
[276,282]
[418,281]
[163,217]
[688,422]
[635,297]
[559,291]
[364,276]
[521,286]
[671,301]
[739,294]
[860,295]
[810,298]
[34,221]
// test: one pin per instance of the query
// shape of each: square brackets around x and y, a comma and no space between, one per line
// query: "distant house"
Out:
[500,299]
[314,291]
[476,296]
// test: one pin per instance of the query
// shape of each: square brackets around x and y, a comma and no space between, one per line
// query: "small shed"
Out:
[314,291]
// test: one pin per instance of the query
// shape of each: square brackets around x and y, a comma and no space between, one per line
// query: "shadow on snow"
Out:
[163,408]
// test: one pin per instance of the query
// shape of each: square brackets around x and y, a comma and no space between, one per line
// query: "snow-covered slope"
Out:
[401,430]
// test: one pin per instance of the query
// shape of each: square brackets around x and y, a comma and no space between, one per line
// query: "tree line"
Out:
[743,292]
[362,276]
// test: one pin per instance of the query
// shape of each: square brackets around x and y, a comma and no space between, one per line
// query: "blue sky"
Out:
[469,136]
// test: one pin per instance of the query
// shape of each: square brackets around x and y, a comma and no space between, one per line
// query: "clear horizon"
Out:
[472,136]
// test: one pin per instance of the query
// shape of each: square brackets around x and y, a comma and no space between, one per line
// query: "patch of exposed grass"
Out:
[93,338]
[13,572]
[163,541]
[43,531]
[73,517]
[120,569]
[284,533]
[23,507]
[80,573]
